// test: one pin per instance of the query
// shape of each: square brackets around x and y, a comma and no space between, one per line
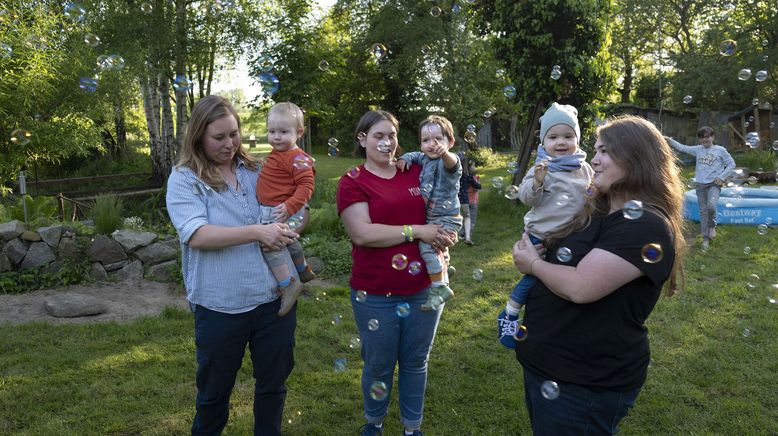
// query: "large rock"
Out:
[5,263]
[105,250]
[133,271]
[15,249]
[39,254]
[11,230]
[156,253]
[51,235]
[30,236]
[116,265]
[162,272]
[133,239]
[172,243]
[68,248]
[72,305]
[97,273]
[53,267]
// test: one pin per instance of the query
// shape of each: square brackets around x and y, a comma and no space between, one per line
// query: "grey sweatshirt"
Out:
[714,162]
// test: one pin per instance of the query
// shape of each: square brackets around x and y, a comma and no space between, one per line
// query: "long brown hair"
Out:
[650,175]
[205,112]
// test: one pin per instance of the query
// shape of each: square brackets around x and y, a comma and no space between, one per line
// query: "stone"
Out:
[156,253]
[162,272]
[68,248]
[71,305]
[133,271]
[39,254]
[5,263]
[30,236]
[133,239]
[15,249]
[51,235]
[172,243]
[316,264]
[116,265]
[11,230]
[97,273]
[105,250]
[53,267]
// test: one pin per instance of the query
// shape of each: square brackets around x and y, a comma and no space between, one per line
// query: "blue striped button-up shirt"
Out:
[233,279]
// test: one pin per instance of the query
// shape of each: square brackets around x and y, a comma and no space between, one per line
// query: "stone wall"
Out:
[125,255]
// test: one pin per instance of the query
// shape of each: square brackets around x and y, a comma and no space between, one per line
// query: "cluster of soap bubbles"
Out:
[752,140]
[556,72]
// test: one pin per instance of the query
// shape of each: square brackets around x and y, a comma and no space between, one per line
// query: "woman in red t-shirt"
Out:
[384,215]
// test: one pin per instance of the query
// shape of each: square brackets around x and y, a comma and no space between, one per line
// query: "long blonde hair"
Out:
[205,112]
[650,175]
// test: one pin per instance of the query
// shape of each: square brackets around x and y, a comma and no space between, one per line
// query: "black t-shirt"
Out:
[601,345]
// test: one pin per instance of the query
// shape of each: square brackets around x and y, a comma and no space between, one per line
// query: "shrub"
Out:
[326,190]
[756,160]
[326,222]
[17,282]
[483,157]
[40,210]
[335,253]
[107,213]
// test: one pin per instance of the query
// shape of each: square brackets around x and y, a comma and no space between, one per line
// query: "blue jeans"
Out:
[577,410]
[221,340]
[521,290]
[406,341]
[707,199]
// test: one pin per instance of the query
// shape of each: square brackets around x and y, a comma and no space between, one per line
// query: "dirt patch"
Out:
[125,301]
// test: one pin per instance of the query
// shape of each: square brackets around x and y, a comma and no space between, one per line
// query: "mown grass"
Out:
[706,376]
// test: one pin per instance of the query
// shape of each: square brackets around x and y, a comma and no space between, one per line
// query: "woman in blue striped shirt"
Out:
[211,201]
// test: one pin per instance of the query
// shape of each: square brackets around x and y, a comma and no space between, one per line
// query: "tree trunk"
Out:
[169,145]
[626,88]
[182,117]
[528,142]
[121,128]
[151,107]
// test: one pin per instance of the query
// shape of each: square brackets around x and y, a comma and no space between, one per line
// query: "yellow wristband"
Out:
[410,233]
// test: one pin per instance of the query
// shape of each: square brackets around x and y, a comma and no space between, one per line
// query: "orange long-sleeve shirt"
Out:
[280,182]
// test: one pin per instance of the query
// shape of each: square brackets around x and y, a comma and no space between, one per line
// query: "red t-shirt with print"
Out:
[396,201]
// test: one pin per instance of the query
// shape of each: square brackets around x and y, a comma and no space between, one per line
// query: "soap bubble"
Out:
[302,162]
[455,8]
[746,332]
[20,137]
[512,192]
[269,83]
[414,268]
[114,62]
[563,254]
[752,139]
[762,229]
[146,8]
[75,12]
[354,342]
[550,390]
[91,40]
[372,325]
[451,270]
[521,333]
[339,365]
[760,76]
[426,49]
[500,73]
[403,310]
[378,51]
[324,65]
[378,391]
[361,296]
[754,102]
[746,250]
[333,151]
[182,83]
[513,167]
[384,146]
[775,145]
[478,274]
[752,281]
[688,99]
[435,11]
[470,137]
[337,319]
[6,51]
[652,253]
[265,63]
[497,182]
[87,84]
[633,209]
[556,72]
[509,91]
[727,47]
[744,74]
[399,261]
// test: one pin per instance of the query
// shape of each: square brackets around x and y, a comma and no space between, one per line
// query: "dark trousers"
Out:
[221,341]
[577,410]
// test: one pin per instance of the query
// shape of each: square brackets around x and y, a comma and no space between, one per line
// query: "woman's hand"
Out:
[280,214]
[525,254]
[275,236]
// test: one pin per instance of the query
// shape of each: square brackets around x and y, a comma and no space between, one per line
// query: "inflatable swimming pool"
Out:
[738,205]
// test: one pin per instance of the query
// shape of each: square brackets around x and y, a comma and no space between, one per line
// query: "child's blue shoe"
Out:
[507,326]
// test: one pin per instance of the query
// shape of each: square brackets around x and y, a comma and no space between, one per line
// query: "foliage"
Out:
[325,221]
[27,280]
[483,157]
[336,253]
[107,213]
[39,209]
[757,160]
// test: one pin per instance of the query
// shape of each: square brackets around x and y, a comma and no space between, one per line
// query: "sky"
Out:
[239,77]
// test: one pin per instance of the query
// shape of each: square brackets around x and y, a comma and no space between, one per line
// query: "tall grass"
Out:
[107,213]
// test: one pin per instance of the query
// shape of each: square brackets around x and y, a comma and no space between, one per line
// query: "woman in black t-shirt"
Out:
[585,351]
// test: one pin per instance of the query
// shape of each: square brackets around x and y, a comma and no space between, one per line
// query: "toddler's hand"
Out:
[402,165]
[541,169]
[279,213]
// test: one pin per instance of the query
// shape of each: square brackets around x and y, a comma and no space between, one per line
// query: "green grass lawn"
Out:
[707,376]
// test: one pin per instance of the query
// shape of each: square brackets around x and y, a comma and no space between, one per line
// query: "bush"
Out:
[335,253]
[757,160]
[107,213]
[325,192]
[326,222]
[17,282]
[483,157]
[40,210]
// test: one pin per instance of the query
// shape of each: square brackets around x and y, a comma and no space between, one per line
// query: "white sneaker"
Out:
[705,245]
